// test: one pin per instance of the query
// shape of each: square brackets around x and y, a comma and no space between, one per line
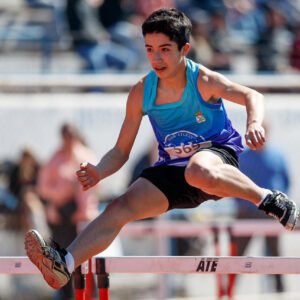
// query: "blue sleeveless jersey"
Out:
[184,127]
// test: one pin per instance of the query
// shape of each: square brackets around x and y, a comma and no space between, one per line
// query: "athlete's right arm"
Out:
[88,174]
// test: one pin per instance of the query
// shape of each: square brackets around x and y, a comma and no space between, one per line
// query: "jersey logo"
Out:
[199,117]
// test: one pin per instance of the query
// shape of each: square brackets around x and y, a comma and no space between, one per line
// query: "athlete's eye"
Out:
[165,49]
[149,50]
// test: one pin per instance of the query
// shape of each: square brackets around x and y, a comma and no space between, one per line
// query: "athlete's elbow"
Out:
[255,95]
[253,98]
[122,155]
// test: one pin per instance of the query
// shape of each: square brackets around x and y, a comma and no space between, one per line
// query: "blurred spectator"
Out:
[109,19]
[274,42]
[295,49]
[24,174]
[145,8]
[191,6]
[268,168]
[92,41]
[246,21]
[201,50]
[220,41]
[22,185]
[123,27]
[67,205]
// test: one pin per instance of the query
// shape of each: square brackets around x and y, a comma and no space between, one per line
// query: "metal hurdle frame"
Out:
[103,266]
[162,228]
[84,276]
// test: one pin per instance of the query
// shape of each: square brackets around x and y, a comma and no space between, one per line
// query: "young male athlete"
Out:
[198,149]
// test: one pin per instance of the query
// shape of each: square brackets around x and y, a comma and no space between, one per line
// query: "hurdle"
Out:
[103,266]
[162,228]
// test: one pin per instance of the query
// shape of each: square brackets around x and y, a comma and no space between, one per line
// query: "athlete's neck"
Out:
[177,80]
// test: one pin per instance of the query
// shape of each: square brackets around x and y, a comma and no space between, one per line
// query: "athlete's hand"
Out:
[255,136]
[88,175]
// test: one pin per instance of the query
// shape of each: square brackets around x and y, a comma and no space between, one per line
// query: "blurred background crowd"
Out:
[38,160]
[229,35]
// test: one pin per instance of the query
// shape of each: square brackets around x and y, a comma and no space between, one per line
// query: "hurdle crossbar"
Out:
[174,265]
[167,228]
[17,265]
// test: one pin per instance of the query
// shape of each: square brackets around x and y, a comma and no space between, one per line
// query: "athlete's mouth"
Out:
[158,69]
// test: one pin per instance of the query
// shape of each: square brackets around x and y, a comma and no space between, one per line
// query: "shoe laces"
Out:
[277,201]
[53,251]
[50,253]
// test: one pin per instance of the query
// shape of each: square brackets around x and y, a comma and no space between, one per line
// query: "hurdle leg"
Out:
[219,277]
[79,284]
[102,279]
[89,283]
[231,277]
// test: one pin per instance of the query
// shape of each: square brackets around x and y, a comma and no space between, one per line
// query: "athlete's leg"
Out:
[142,200]
[207,171]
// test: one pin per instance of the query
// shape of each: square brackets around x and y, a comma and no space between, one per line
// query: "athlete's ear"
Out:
[186,48]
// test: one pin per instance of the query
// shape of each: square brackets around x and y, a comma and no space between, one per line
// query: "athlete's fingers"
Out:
[88,184]
[249,143]
[83,178]
[81,173]
[84,165]
[251,140]
[261,137]
[257,139]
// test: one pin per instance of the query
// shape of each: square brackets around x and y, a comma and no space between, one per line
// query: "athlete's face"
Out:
[163,54]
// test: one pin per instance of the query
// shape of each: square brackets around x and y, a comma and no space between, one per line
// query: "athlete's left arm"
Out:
[214,85]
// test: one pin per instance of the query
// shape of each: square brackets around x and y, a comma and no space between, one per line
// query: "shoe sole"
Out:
[34,245]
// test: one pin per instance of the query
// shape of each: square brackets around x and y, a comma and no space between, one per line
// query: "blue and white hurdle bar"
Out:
[103,266]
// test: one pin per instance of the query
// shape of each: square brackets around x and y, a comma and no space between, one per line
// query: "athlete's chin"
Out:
[161,74]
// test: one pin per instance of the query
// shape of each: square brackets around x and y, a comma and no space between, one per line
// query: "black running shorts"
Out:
[171,181]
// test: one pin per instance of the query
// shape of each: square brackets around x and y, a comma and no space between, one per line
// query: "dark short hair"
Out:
[171,22]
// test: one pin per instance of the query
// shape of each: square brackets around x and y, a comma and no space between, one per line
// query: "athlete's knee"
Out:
[201,176]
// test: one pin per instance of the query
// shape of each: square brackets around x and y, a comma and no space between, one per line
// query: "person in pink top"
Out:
[67,205]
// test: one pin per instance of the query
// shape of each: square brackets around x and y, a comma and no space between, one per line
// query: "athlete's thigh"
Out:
[145,200]
[205,158]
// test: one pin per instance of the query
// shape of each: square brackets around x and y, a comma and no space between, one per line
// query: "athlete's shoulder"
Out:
[136,95]
[138,88]
[210,83]
[208,76]
[205,74]
[210,80]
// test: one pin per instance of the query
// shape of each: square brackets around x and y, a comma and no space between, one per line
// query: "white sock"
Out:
[70,262]
[266,192]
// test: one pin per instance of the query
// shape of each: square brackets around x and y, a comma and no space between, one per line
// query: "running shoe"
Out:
[280,207]
[49,259]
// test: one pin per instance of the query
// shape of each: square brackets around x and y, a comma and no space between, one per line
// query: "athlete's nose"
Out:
[157,56]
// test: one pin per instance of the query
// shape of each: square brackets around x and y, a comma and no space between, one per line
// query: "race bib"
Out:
[186,150]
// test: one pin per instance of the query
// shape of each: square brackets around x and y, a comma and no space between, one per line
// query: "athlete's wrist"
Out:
[99,172]
[252,122]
